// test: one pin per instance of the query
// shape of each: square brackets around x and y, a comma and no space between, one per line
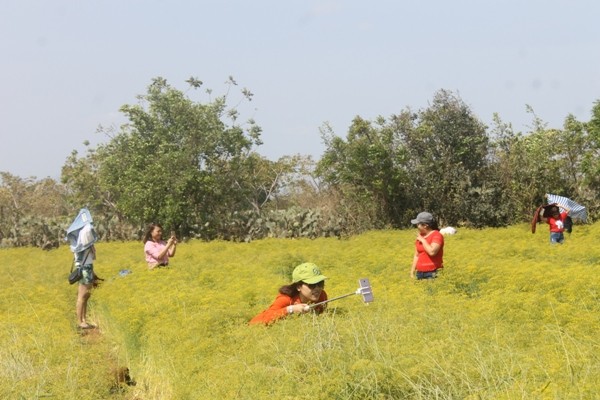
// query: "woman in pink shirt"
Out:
[156,249]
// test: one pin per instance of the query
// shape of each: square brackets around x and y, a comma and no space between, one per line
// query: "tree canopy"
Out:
[193,166]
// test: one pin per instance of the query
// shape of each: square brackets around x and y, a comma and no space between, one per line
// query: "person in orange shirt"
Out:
[295,298]
[429,248]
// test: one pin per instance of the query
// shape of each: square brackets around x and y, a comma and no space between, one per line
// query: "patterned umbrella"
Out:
[577,210]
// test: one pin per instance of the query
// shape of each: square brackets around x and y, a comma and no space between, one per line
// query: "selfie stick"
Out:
[364,290]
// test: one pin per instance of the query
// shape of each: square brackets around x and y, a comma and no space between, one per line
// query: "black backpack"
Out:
[568,224]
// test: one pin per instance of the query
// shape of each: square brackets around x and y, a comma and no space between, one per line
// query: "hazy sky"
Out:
[67,66]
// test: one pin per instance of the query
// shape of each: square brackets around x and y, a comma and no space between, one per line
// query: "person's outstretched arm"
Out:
[281,308]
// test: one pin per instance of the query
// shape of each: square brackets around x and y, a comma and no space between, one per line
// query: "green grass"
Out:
[511,317]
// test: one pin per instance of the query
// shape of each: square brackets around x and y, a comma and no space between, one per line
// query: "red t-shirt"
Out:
[426,263]
[557,224]
[278,309]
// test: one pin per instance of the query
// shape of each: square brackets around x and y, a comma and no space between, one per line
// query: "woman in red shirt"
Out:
[556,221]
[429,248]
[306,288]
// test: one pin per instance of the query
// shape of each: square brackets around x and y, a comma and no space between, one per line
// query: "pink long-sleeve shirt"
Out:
[153,249]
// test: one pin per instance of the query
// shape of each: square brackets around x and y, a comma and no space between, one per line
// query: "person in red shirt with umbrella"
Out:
[556,222]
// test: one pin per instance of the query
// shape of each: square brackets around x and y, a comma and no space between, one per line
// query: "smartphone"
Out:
[365,290]
[172,234]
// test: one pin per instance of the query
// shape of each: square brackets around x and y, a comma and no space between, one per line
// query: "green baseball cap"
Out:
[307,273]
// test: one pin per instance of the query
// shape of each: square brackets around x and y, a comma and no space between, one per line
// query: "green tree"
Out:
[365,169]
[176,161]
[446,149]
[32,211]
[432,160]
[580,142]
[531,165]
[81,178]
[591,158]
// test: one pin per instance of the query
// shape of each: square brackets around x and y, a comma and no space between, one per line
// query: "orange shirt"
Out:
[278,309]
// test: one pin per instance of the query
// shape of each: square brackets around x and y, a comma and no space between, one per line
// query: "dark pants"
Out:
[426,275]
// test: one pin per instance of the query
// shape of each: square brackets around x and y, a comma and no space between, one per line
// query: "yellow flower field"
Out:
[511,317]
